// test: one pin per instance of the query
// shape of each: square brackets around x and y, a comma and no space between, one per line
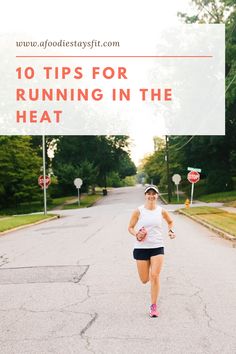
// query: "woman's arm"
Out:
[170,223]
[133,222]
[140,234]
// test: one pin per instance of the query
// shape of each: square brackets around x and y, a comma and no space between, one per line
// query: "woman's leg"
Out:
[156,266]
[143,270]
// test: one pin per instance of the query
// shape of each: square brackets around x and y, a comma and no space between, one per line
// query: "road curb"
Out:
[28,225]
[163,199]
[219,232]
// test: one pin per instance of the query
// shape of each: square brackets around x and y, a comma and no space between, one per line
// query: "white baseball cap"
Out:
[151,186]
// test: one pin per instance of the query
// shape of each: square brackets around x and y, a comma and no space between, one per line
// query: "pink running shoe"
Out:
[153,311]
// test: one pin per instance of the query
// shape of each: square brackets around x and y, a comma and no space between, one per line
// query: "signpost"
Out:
[44,176]
[78,183]
[176,179]
[193,177]
[194,169]
[41,181]
[44,182]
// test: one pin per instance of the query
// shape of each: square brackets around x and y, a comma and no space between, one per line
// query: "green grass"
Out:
[182,198]
[10,222]
[174,200]
[216,217]
[222,197]
[203,210]
[231,204]
[85,202]
[24,208]
[224,221]
[37,206]
[59,201]
[99,189]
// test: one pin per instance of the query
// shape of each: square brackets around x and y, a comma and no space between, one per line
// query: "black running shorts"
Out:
[144,254]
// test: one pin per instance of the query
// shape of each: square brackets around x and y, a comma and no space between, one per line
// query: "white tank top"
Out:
[152,221]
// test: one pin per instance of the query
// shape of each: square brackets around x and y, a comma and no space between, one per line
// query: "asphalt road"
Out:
[71,286]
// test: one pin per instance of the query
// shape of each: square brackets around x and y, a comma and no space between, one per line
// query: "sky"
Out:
[91,17]
[87,16]
[143,144]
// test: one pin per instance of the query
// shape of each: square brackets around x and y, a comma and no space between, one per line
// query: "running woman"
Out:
[146,225]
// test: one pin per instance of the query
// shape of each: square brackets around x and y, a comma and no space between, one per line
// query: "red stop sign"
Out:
[193,176]
[41,181]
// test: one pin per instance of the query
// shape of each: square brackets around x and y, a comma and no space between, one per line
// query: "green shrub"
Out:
[218,181]
[129,181]
[113,180]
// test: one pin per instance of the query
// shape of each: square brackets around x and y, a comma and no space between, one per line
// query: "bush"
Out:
[234,182]
[218,181]
[113,180]
[199,188]
[129,181]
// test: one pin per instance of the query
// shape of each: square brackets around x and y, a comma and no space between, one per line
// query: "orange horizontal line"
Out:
[114,56]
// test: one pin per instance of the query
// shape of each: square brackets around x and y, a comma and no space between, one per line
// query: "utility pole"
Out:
[44,177]
[167,169]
